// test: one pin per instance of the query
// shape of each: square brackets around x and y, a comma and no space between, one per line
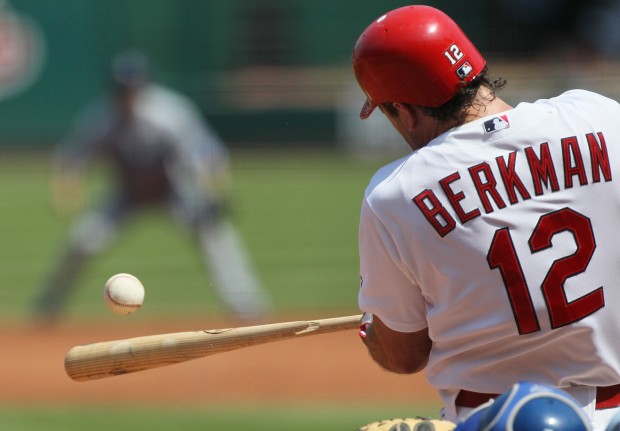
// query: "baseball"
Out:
[123,293]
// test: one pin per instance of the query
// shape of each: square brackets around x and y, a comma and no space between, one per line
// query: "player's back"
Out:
[514,244]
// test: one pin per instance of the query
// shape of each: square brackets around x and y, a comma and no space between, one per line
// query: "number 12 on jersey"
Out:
[503,256]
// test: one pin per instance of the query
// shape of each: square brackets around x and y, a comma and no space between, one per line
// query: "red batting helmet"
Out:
[414,54]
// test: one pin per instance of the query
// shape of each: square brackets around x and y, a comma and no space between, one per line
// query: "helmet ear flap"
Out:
[414,54]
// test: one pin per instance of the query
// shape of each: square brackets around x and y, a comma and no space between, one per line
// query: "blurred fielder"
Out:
[161,152]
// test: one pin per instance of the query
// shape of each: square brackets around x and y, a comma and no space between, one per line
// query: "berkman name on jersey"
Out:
[543,178]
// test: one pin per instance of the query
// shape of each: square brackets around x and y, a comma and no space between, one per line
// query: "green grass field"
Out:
[298,213]
[229,418]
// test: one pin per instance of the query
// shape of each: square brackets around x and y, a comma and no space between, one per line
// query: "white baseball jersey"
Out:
[501,236]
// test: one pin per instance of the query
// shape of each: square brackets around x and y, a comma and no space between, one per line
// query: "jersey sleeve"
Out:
[387,289]
[75,151]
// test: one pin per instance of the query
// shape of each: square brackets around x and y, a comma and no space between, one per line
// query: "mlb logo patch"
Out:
[464,70]
[496,123]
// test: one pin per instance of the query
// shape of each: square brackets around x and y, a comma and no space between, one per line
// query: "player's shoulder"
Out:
[385,177]
[583,104]
[159,95]
[167,106]
[584,96]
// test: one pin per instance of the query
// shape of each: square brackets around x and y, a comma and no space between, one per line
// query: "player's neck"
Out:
[485,105]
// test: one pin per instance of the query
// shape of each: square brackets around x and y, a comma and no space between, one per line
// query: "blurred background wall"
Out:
[274,72]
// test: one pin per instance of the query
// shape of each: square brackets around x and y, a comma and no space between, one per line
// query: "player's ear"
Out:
[408,114]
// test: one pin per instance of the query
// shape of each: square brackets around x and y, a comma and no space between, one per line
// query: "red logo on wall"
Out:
[21,52]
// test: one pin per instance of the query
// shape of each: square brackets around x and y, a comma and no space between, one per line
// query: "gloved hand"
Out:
[409,424]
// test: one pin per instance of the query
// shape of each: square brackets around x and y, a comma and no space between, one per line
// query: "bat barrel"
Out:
[113,358]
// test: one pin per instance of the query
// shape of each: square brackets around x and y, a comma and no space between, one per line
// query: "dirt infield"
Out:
[313,369]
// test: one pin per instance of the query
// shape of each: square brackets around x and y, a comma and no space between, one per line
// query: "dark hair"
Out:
[455,109]
[129,70]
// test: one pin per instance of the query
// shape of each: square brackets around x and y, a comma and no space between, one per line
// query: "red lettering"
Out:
[510,178]
[599,157]
[486,187]
[542,169]
[455,198]
[434,212]
[570,150]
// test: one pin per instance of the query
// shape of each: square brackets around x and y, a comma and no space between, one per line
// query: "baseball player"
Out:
[161,152]
[489,254]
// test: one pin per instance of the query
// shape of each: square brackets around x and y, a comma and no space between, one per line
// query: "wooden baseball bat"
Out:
[113,358]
